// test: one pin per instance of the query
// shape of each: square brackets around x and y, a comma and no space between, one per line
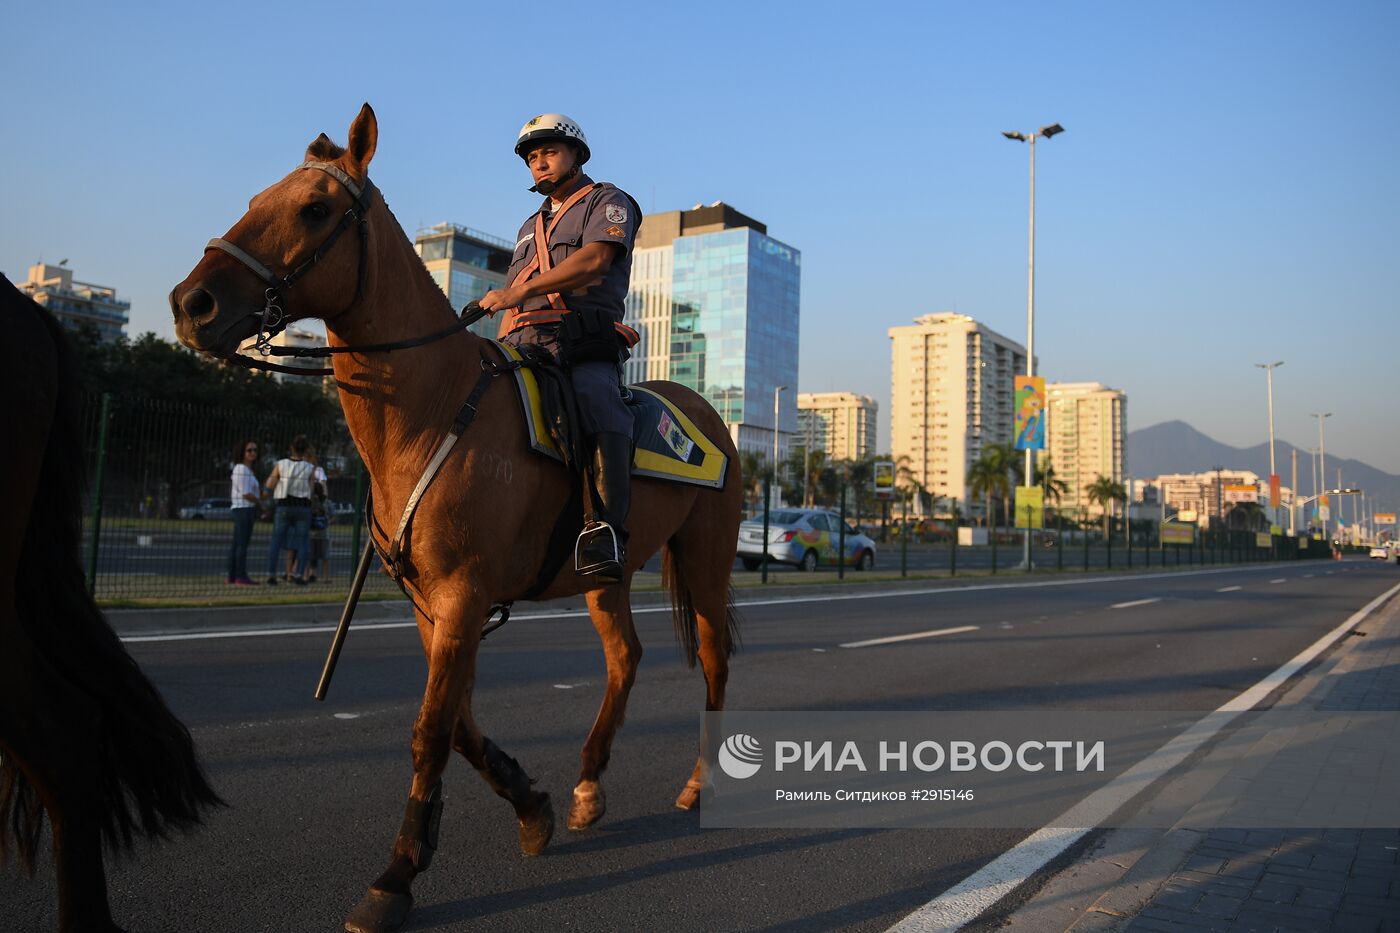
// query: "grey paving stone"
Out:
[1312,897]
[1274,892]
[1218,905]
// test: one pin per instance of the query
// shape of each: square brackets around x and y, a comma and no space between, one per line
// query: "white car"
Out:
[1380,551]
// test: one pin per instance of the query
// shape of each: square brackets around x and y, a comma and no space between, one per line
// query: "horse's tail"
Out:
[146,774]
[683,613]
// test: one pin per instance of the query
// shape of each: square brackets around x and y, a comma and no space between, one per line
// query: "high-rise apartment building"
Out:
[77,304]
[843,424]
[466,264]
[951,392]
[716,303]
[1085,435]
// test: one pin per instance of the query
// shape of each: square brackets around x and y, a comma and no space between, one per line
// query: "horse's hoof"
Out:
[690,796]
[379,911]
[537,827]
[589,805]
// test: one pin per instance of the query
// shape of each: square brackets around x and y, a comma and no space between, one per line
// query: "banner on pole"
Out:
[1385,518]
[1030,412]
[1262,539]
[1275,491]
[1030,507]
[1324,509]
[884,479]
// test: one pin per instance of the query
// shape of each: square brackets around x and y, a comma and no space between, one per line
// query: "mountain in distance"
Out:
[1176,447]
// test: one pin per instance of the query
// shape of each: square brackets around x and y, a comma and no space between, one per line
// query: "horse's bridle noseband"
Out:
[273,318]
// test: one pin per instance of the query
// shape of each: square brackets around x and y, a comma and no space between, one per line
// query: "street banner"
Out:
[1178,533]
[1241,492]
[1302,544]
[1324,509]
[1263,539]
[1030,507]
[1030,412]
[1276,530]
[1275,491]
[1385,518]
[884,479]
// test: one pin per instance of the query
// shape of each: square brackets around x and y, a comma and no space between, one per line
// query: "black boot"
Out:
[612,476]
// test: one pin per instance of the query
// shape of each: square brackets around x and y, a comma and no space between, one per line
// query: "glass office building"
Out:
[718,307]
[466,264]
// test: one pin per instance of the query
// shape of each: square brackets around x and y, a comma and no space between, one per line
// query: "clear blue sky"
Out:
[1226,192]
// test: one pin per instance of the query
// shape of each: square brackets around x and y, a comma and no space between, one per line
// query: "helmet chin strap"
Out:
[547,187]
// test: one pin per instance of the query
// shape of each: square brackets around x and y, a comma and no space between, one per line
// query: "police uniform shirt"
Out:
[605,215]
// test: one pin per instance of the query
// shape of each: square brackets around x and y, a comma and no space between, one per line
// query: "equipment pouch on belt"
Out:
[587,336]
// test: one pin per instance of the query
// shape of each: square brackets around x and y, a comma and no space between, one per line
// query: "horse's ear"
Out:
[364,136]
[323,150]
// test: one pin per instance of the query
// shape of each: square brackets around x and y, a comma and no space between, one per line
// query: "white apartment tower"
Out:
[951,391]
[1085,429]
[841,423]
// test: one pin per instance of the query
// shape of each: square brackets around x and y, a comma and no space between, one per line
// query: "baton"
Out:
[341,630]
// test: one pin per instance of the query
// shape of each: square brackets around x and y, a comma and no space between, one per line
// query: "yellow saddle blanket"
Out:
[668,445]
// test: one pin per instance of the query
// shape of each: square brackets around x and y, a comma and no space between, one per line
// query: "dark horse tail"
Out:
[144,769]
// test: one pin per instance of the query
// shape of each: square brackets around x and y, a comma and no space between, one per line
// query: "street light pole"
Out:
[1322,464]
[1273,472]
[776,393]
[1030,138]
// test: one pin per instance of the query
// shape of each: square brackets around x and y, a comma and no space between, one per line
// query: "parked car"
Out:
[805,538]
[208,508]
[1380,551]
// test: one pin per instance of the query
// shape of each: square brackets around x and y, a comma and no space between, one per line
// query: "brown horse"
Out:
[84,736]
[481,532]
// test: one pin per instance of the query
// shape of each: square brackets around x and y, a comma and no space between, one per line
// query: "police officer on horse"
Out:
[568,281]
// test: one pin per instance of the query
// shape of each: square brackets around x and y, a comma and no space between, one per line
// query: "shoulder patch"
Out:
[616,214]
[615,230]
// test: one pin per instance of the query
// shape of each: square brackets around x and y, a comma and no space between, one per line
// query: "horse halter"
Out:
[273,318]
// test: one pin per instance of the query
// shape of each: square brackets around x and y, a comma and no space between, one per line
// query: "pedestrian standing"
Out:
[290,481]
[320,535]
[246,507]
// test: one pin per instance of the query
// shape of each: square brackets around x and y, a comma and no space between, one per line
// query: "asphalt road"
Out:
[316,791]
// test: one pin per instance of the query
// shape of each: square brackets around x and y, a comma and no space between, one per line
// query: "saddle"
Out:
[667,444]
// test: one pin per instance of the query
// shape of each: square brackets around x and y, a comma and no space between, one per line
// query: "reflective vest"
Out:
[514,318]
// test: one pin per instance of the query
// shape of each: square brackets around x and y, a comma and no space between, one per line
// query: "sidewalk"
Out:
[1251,880]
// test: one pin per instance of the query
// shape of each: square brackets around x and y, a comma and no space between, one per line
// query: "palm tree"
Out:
[1052,486]
[1104,492]
[752,467]
[983,482]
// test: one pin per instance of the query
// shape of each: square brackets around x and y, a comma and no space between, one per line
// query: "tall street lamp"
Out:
[1273,473]
[1045,132]
[1322,463]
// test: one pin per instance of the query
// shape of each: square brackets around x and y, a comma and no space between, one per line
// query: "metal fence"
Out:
[151,464]
[156,522]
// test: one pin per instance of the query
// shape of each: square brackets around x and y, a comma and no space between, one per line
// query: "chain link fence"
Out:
[156,520]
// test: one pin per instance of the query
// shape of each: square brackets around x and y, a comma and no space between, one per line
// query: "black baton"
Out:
[346,615]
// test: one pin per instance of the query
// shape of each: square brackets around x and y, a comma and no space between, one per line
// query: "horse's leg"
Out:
[611,611]
[451,646]
[703,567]
[505,776]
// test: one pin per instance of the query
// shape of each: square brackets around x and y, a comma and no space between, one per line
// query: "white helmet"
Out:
[552,126]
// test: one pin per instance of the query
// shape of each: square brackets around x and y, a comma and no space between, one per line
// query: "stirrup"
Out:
[598,533]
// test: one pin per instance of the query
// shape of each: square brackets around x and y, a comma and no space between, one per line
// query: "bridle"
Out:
[273,318]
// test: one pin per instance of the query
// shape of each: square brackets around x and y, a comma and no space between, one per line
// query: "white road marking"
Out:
[1136,602]
[784,601]
[910,637]
[1279,580]
[1309,576]
[967,899]
[347,715]
[819,650]
[1229,589]
[583,683]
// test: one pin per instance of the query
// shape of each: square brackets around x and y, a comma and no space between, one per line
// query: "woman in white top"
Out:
[246,506]
[291,481]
